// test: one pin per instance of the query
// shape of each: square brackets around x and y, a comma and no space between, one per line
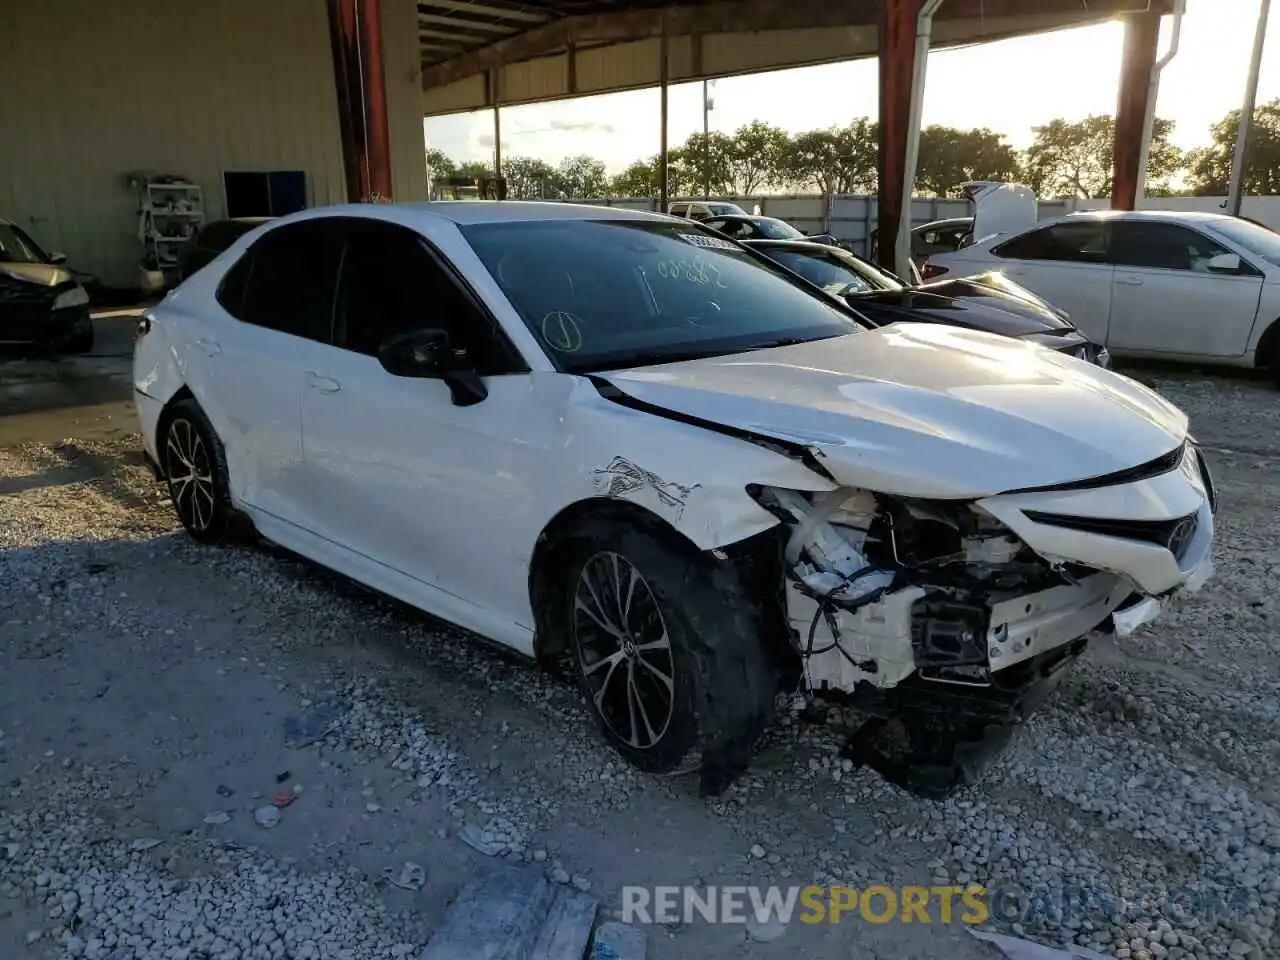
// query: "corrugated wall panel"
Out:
[534,79]
[465,94]
[622,66]
[403,73]
[95,91]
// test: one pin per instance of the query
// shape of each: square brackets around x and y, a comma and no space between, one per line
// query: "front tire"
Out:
[668,651]
[79,342]
[195,469]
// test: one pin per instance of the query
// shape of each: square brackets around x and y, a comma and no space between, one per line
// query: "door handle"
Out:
[319,381]
[210,348]
[1130,281]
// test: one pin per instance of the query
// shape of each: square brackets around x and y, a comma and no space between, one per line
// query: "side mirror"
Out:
[1225,263]
[57,258]
[428,354]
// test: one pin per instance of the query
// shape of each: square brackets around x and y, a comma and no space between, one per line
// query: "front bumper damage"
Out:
[948,623]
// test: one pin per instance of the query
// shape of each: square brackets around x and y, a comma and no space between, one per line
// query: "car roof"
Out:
[467,212]
[1192,216]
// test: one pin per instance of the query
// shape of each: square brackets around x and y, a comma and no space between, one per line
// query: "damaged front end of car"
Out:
[934,619]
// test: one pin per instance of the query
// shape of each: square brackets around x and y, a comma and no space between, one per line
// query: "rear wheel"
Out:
[195,470]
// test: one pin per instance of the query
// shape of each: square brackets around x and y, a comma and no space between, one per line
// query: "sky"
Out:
[1009,86]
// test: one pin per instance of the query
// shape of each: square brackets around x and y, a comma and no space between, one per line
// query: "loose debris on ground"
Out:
[152,692]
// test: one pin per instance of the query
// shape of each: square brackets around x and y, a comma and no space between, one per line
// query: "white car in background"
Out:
[621,439]
[1159,284]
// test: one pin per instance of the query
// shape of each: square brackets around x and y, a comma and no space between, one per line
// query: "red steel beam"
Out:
[355,34]
[1141,40]
[897,40]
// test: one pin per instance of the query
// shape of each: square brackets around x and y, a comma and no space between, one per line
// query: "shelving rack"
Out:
[171,212]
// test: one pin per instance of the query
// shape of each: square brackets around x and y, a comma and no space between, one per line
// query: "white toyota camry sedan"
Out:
[619,441]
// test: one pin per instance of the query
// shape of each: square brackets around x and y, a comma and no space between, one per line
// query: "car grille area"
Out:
[1174,535]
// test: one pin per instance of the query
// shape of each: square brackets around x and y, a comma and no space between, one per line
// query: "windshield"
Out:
[1253,237]
[835,271]
[17,247]
[777,229]
[610,294]
[725,210]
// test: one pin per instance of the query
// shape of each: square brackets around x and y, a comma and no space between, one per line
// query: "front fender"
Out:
[691,475]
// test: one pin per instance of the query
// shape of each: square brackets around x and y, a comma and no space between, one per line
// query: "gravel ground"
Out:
[149,689]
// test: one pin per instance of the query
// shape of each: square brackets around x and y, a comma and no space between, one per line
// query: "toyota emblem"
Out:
[1181,535]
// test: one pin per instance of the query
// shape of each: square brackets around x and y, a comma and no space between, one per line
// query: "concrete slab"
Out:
[566,931]
[497,917]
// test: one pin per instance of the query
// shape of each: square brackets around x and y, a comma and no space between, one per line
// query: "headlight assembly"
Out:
[77,297]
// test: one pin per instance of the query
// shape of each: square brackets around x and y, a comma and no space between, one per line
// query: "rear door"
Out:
[273,311]
[1067,264]
[1166,300]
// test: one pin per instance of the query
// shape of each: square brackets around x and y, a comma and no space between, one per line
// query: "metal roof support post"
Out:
[494,81]
[355,33]
[662,148]
[905,28]
[1137,90]
[1148,126]
[1235,193]
[343,42]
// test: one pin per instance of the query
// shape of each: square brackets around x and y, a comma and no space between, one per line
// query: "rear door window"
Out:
[285,281]
[1076,241]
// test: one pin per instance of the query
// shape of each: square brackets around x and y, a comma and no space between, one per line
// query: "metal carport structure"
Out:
[490,53]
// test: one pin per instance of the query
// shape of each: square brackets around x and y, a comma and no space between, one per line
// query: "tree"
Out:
[528,178]
[1075,158]
[581,177]
[837,160]
[473,170]
[951,157]
[1210,167]
[438,165]
[640,179]
[754,156]
[703,164]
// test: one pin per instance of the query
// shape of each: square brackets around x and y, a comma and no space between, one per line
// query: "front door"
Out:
[1166,300]
[395,470]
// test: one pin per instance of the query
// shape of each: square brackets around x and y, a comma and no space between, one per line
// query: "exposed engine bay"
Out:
[931,616]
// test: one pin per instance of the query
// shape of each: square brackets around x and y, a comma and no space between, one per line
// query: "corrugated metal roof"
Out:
[448,28]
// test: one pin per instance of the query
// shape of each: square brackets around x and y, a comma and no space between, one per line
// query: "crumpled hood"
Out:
[926,410]
[41,274]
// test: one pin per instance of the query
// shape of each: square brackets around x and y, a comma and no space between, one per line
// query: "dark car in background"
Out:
[937,236]
[42,303]
[210,240]
[746,227]
[988,302]
[701,209]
